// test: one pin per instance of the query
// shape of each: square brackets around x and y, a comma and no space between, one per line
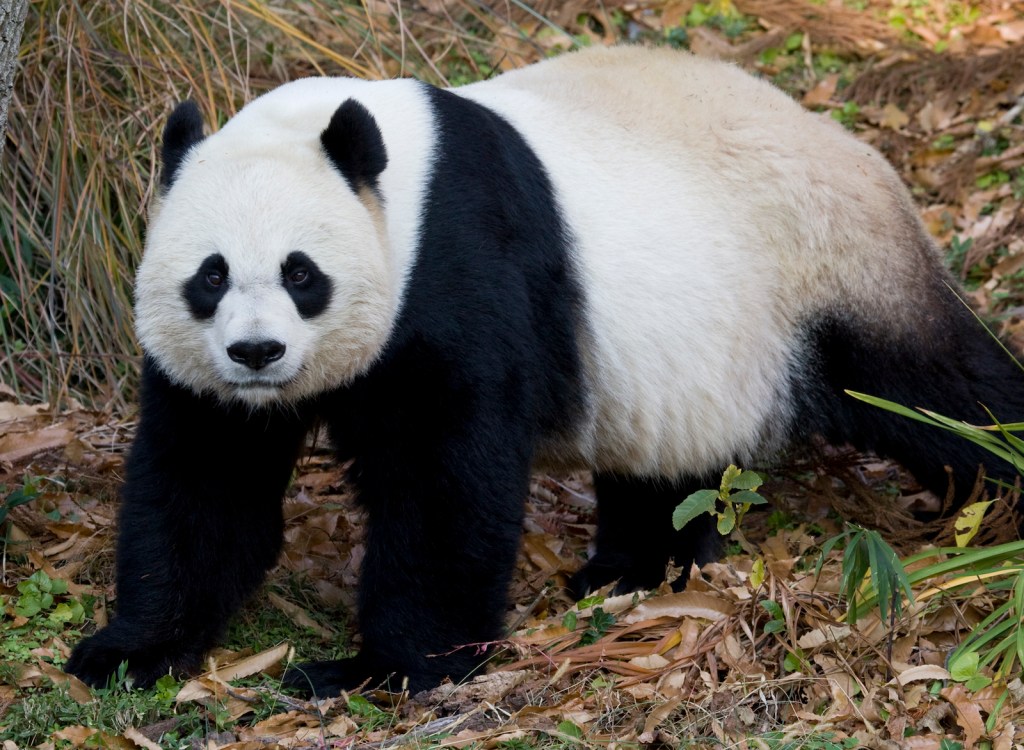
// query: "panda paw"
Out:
[602,570]
[98,657]
[321,679]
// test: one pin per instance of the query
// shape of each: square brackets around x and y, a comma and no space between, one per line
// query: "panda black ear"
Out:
[184,130]
[353,143]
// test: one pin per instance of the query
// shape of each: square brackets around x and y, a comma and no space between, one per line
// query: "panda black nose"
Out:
[256,354]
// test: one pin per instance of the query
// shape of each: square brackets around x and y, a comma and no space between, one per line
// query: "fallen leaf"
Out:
[251,665]
[1012,32]
[10,411]
[923,672]
[133,734]
[823,635]
[17,446]
[968,714]
[893,117]
[656,718]
[299,616]
[651,661]
[822,92]
[683,604]
[77,689]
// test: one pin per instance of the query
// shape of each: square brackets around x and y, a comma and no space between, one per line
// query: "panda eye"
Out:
[214,278]
[298,275]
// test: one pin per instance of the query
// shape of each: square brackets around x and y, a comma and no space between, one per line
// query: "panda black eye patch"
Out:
[309,288]
[204,290]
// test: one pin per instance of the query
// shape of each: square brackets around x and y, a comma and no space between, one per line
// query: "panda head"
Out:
[265,278]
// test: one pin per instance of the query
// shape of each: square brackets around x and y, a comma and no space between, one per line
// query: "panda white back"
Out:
[711,216]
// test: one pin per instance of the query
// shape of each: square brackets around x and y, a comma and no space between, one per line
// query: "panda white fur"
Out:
[629,260]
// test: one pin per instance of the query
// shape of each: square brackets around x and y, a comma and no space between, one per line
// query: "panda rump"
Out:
[626,260]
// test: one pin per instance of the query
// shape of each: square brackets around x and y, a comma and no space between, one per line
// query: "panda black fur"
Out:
[634,261]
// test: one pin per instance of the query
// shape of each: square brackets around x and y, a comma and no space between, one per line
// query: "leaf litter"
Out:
[742,657]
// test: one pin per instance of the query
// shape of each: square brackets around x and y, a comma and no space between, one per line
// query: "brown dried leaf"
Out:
[683,604]
[823,635]
[893,117]
[1012,32]
[923,672]
[822,92]
[656,718]
[261,662]
[141,740]
[77,689]
[11,411]
[77,735]
[538,549]
[299,616]
[17,446]
[280,726]
[968,714]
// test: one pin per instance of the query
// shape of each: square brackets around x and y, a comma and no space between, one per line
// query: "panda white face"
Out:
[265,279]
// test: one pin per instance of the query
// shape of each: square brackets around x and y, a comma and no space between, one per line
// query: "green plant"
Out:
[998,439]
[42,610]
[847,115]
[37,594]
[865,552]
[600,622]
[25,494]
[777,621]
[992,179]
[719,14]
[736,494]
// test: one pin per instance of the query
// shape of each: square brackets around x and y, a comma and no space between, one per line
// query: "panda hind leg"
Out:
[635,538]
[955,369]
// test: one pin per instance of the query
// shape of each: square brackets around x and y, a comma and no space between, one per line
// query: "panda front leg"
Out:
[445,503]
[200,524]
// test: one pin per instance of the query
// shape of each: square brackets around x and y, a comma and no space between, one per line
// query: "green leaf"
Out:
[731,474]
[774,626]
[747,480]
[1018,615]
[701,501]
[590,601]
[773,608]
[28,606]
[757,573]
[600,621]
[968,522]
[963,665]
[726,520]
[569,621]
[570,730]
[747,497]
[793,662]
[978,682]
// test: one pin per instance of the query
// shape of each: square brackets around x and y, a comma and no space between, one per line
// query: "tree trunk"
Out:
[12,21]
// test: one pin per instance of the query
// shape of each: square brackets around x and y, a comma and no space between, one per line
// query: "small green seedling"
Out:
[729,503]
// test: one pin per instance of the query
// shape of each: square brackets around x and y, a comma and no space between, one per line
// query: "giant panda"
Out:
[628,260]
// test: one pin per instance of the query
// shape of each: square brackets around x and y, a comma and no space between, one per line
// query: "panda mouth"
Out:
[259,384]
